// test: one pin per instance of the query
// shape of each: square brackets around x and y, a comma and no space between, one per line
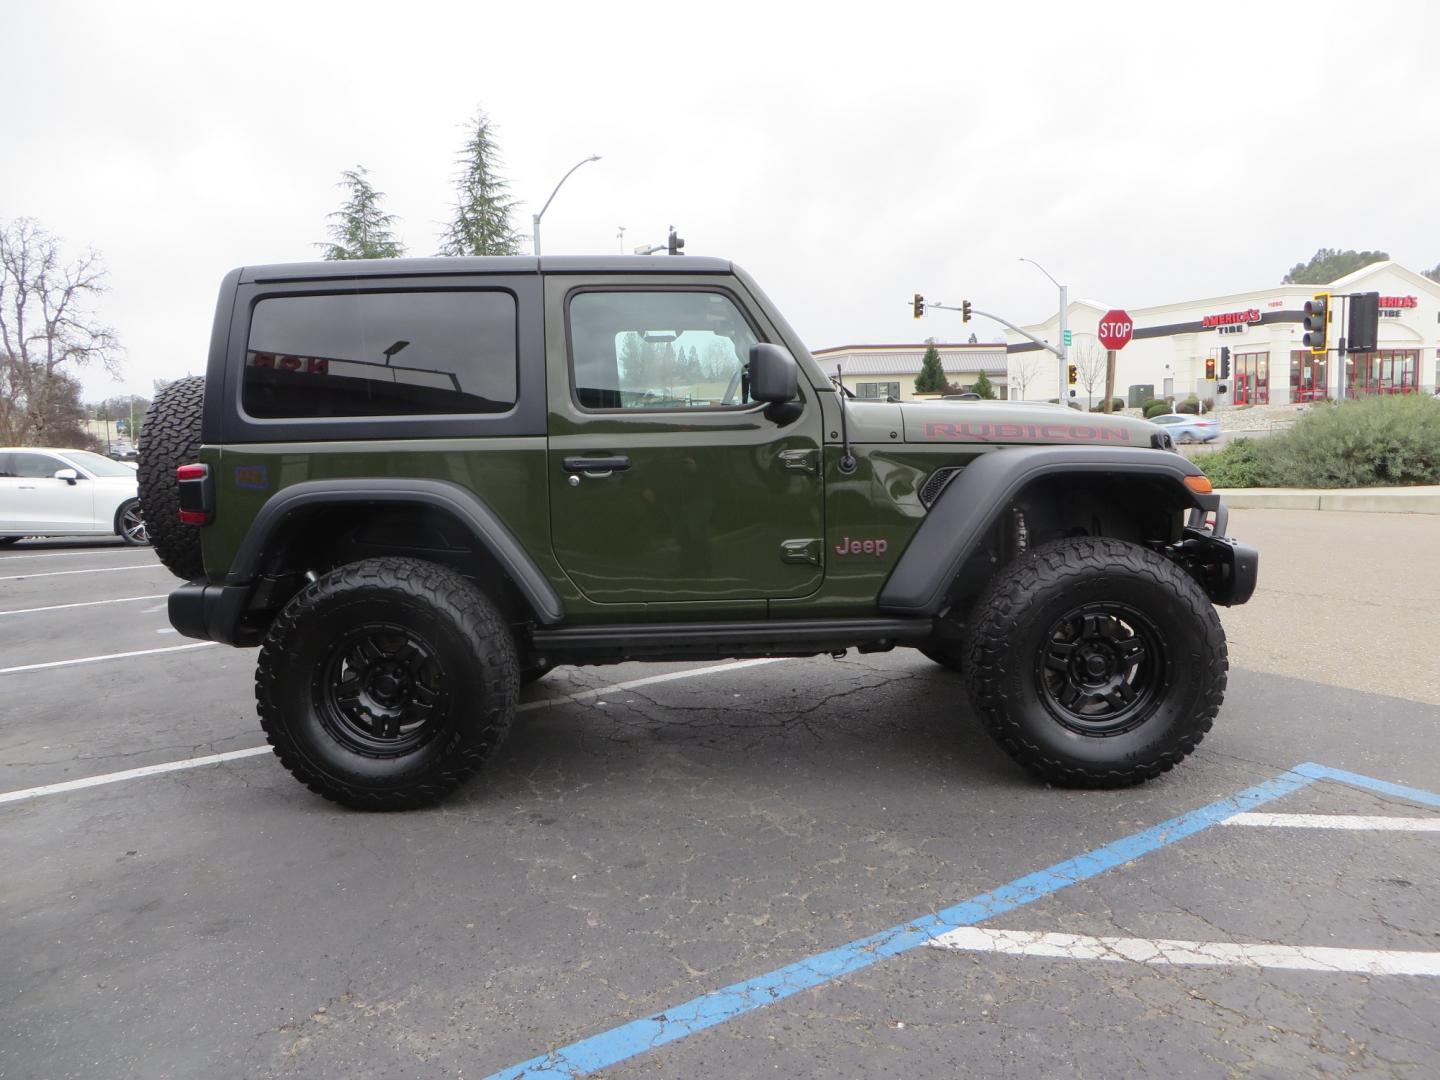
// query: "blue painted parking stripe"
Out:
[1384,787]
[716,1007]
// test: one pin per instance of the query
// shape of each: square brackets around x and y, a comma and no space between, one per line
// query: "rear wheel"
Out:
[130,524]
[1095,662]
[387,683]
[6,541]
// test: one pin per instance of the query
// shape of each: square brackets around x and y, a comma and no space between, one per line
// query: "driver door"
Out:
[667,486]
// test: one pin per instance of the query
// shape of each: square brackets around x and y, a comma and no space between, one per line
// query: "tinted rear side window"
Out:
[381,354]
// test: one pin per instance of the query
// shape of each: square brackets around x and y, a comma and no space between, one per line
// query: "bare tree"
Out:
[1023,369]
[1088,356]
[47,330]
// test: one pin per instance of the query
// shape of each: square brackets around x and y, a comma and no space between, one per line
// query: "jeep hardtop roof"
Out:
[488,264]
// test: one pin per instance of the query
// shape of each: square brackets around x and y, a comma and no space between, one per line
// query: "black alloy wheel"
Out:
[1102,668]
[380,690]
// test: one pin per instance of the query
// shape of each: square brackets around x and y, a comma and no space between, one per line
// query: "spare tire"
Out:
[170,438]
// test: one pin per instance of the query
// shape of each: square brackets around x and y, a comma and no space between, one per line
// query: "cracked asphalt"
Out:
[633,849]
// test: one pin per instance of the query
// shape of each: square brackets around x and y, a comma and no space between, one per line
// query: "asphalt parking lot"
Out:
[799,867]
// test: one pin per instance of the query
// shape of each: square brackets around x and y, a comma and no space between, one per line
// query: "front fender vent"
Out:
[931,489]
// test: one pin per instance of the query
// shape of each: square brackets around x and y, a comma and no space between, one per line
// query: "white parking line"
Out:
[107,656]
[95,570]
[669,676]
[1163,952]
[233,755]
[131,774]
[84,603]
[78,552]
[1337,821]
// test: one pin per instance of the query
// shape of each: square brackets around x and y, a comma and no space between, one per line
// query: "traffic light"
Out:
[965,310]
[1364,329]
[1209,368]
[1074,375]
[919,305]
[675,243]
[1224,362]
[1317,322]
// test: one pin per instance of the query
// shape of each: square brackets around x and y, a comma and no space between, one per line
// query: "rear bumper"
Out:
[209,612]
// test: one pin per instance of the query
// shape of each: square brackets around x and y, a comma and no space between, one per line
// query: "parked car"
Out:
[1185,428]
[51,492]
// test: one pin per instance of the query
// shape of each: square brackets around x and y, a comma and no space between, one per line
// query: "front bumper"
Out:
[1227,569]
[210,612]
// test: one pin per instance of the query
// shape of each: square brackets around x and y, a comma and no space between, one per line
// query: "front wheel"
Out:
[1095,662]
[386,683]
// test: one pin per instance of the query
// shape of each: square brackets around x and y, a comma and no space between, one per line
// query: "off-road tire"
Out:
[949,655]
[170,438]
[475,666]
[1007,662]
[6,541]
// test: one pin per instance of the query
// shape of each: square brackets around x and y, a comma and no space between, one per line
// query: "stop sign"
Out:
[1116,329]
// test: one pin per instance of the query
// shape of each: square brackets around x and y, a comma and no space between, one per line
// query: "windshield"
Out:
[97,465]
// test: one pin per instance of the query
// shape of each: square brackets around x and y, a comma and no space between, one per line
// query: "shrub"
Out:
[1156,408]
[1189,405]
[1373,442]
[1240,464]
[1116,404]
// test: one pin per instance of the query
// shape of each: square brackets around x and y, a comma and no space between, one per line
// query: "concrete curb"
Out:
[1398,500]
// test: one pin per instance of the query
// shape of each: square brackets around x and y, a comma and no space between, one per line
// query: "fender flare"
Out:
[460,504]
[973,501]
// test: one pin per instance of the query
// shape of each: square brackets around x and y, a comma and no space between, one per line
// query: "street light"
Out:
[536,218]
[1064,326]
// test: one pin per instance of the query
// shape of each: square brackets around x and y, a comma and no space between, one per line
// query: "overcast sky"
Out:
[847,155]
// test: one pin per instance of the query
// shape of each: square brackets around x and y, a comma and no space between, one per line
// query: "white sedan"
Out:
[46,492]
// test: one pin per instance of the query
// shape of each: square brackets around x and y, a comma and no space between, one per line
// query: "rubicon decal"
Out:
[966,431]
[847,546]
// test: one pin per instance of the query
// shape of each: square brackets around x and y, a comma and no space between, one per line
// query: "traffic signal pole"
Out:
[1006,322]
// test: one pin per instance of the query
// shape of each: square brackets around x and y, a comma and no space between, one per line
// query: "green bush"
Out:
[1189,405]
[1240,464]
[1373,442]
[1156,408]
[1116,404]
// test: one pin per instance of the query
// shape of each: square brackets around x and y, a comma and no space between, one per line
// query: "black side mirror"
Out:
[774,375]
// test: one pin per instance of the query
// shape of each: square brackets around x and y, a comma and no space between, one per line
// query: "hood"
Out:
[1015,422]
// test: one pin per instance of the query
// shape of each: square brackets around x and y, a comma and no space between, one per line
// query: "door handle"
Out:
[597,466]
[26,487]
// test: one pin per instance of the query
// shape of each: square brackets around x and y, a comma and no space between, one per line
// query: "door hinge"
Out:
[806,461]
[804,552]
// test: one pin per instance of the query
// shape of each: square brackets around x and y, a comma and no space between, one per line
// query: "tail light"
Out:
[197,494]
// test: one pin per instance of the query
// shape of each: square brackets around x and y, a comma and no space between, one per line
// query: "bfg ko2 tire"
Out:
[1095,662]
[386,683]
[170,438]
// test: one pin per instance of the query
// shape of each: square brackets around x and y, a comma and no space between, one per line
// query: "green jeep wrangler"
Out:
[418,484]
